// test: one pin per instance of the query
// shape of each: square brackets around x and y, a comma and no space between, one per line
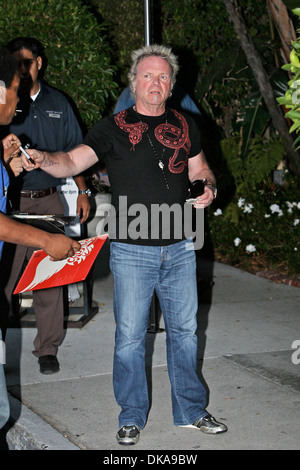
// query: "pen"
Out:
[26,155]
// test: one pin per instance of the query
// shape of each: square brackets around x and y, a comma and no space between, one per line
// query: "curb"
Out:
[28,431]
[280,278]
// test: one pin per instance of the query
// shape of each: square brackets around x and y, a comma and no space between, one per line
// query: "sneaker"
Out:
[209,425]
[128,435]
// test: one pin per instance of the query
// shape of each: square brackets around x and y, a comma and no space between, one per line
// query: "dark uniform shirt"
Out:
[48,123]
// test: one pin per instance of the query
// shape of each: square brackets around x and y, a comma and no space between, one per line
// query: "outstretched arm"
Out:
[56,245]
[62,164]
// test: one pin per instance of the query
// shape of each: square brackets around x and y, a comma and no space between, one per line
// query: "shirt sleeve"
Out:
[72,131]
[194,135]
[99,139]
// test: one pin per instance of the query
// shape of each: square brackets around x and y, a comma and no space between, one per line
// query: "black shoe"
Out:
[48,364]
[209,425]
[128,435]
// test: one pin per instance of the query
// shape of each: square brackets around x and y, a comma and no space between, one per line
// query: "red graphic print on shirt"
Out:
[167,134]
[175,138]
[135,130]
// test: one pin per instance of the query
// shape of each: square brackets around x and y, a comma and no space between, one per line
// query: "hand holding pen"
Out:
[26,155]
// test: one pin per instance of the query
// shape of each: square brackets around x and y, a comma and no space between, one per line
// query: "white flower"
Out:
[267,216]
[295,249]
[250,248]
[218,212]
[290,206]
[275,208]
[241,202]
[296,222]
[248,208]
[237,241]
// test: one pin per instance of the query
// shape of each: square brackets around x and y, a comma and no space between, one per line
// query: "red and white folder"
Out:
[41,273]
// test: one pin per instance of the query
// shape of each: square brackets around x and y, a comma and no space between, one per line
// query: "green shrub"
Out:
[77,52]
[291,100]
[261,227]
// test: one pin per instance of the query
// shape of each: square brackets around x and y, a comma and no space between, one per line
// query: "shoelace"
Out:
[206,418]
[128,430]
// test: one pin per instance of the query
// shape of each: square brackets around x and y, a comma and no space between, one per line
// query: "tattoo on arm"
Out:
[48,162]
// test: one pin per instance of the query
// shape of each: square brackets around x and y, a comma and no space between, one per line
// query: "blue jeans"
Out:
[4,403]
[171,272]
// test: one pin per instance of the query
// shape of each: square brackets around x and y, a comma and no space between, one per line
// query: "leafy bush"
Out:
[263,156]
[77,52]
[291,99]
[125,29]
[262,228]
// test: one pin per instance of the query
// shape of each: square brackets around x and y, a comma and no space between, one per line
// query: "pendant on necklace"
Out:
[161,165]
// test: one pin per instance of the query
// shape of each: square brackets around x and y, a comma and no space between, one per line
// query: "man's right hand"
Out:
[35,155]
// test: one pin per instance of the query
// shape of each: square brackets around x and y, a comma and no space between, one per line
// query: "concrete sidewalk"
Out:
[247,327]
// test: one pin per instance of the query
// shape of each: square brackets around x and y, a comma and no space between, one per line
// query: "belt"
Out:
[34,194]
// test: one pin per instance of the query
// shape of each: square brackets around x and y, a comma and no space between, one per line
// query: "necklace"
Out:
[159,159]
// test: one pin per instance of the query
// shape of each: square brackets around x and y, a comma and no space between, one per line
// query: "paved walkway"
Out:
[248,328]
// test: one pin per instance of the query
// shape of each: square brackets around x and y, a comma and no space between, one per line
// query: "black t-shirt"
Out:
[130,145]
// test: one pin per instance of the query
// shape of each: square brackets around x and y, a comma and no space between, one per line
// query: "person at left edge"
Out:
[44,119]
[57,246]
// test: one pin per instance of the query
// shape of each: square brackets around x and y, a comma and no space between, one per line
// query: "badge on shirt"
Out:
[54,114]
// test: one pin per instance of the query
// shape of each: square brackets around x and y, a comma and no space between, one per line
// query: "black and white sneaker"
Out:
[209,425]
[128,435]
